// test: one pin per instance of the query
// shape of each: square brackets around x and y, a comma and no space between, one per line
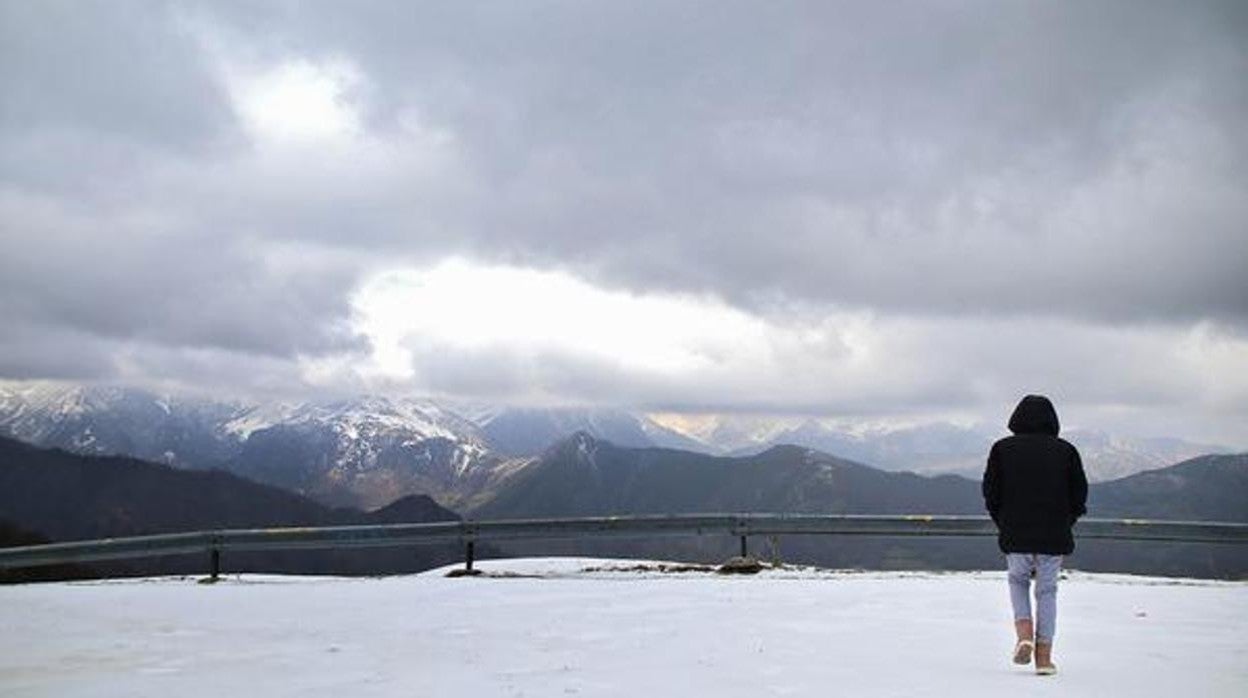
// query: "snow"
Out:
[253,418]
[725,433]
[557,630]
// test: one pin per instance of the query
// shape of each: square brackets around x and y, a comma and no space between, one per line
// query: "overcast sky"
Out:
[855,210]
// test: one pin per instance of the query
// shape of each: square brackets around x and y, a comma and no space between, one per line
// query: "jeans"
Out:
[1021,567]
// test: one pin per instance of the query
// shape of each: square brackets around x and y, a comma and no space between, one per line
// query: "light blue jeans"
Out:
[1021,568]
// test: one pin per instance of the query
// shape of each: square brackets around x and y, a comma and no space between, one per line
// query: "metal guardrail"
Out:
[467,533]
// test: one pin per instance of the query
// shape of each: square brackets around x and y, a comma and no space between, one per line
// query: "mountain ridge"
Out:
[66,496]
[583,476]
[368,450]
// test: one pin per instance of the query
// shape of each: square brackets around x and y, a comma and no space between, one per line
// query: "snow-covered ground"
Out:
[567,632]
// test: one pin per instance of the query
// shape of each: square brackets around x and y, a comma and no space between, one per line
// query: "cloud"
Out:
[919,159]
[514,335]
[121,71]
[877,204]
[298,101]
[121,275]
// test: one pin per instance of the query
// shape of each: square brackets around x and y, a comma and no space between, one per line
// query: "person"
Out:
[1035,489]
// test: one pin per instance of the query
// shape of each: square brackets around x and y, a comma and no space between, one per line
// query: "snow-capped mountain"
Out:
[941,447]
[368,451]
[929,448]
[365,452]
[726,434]
[529,431]
[104,420]
[1108,457]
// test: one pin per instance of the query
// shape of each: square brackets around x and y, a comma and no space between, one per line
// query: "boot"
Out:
[1023,647]
[1044,659]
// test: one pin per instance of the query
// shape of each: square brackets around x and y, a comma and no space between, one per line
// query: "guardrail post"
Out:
[468,534]
[213,539]
[740,527]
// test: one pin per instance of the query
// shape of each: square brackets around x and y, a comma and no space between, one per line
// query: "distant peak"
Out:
[580,445]
[582,442]
[787,449]
[413,508]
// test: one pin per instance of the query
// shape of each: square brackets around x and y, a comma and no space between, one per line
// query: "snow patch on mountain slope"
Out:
[252,418]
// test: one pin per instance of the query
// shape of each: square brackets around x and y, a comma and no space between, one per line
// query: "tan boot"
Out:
[1023,647]
[1044,659]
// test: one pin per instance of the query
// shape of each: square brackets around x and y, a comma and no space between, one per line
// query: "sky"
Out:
[898,212]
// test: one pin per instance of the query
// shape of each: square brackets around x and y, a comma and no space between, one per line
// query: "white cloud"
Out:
[282,99]
[471,306]
[298,101]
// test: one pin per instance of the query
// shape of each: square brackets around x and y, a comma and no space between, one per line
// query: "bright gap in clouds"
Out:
[459,304]
[296,101]
[469,330]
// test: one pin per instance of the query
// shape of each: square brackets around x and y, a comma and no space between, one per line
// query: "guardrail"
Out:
[467,533]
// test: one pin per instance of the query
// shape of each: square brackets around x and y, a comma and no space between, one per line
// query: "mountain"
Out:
[361,452]
[65,496]
[928,448]
[1107,457]
[940,447]
[1208,488]
[727,434]
[529,431]
[584,476]
[368,451]
[108,420]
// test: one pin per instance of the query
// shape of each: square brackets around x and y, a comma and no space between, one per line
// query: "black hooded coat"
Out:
[1034,485]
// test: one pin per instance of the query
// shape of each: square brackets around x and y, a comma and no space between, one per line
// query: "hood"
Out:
[1034,415]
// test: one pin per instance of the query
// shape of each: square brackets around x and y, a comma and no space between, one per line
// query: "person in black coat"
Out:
[1035,489]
